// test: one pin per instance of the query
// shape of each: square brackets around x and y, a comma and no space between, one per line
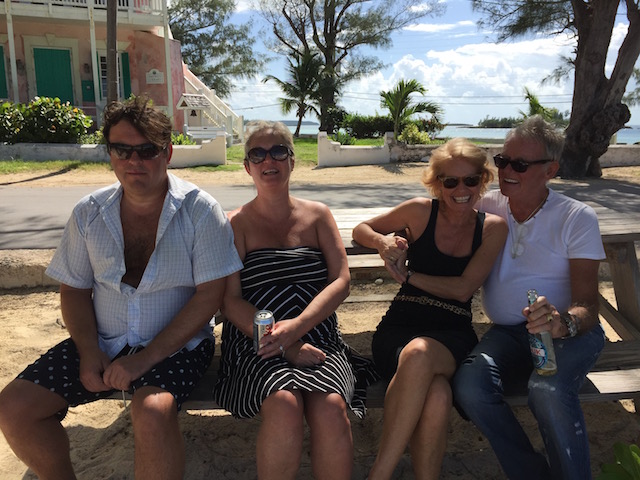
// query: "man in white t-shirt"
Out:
[554,246]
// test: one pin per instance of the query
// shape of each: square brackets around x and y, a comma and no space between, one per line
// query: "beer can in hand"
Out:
[263,322]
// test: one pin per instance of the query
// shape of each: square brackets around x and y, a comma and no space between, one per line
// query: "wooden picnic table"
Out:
[619,232]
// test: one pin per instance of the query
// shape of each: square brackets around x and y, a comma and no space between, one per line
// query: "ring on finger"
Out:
[549,317]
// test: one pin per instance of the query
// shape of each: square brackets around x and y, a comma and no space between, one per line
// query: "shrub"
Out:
[343,138]
[181,139]
[43,120]
[93,138]
[412,136]
[11,121]
[626,465]
[367,126]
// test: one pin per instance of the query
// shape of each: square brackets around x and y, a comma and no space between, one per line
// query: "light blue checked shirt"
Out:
[194,244]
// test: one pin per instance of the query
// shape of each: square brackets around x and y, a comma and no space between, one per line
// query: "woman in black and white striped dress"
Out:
[294,265]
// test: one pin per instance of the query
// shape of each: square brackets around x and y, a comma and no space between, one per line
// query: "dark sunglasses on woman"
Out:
[278,152]
[452,182]
[518,165]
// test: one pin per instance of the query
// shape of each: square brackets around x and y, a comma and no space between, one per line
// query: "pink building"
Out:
[58,48]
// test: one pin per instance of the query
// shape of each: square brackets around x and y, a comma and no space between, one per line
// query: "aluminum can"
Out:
[541,345]
[263,322]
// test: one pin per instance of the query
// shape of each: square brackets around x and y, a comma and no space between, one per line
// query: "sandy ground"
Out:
[221,447]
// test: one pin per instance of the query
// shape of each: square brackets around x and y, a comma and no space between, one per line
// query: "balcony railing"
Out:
[131,6]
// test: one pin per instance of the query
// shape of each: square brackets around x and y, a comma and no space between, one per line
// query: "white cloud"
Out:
[471,79]
[476,79]
[437,27]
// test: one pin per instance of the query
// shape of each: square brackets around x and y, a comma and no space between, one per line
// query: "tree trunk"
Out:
[597,112]
[297,132]
[586,142]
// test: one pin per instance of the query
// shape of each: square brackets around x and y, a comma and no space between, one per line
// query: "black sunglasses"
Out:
[278,152]
[122,151]
[452,182]
[518,164]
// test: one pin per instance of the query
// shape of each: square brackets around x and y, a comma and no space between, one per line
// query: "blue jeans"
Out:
[503,357]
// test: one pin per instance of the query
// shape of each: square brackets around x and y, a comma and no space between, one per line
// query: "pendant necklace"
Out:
[521,229]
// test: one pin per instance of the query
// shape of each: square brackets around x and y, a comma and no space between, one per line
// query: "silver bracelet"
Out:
[571,322]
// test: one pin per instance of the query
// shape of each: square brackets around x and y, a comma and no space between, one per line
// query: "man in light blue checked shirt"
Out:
[142,266]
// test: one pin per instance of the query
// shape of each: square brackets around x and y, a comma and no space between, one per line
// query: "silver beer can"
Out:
[263,322]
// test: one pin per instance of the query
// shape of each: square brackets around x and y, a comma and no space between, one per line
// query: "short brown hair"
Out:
[145,118]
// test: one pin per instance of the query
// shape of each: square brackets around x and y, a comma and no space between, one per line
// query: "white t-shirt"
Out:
[537,253]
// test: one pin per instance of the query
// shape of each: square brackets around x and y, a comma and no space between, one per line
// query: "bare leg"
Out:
[159,446]
[27,419]
[280,437]
[331,438]
[420,361]
[429,440]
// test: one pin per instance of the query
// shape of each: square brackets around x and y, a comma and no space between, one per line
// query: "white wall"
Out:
[213,152]
[333,154]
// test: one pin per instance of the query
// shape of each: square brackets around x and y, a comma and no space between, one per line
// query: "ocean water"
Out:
[627,136]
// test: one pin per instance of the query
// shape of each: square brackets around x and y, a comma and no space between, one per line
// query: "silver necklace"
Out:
[520,229]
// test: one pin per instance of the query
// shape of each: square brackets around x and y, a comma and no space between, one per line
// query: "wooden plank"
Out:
[623,265]
[619,323]
[615,376]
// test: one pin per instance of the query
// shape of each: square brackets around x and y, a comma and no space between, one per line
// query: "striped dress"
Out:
[285,281]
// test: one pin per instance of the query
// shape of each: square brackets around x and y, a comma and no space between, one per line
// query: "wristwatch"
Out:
[571,323]
[409,273]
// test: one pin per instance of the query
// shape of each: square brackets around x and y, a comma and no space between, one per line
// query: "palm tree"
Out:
[552,115]
[301,90]
[398,102]
[535,107]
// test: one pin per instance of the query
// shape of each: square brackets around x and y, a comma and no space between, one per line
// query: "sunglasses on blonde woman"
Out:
[452,182]
[278,152]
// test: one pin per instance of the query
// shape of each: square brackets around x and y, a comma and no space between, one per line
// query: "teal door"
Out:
[3,76]
[53,73]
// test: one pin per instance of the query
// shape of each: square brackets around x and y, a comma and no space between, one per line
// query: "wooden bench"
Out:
[616,374]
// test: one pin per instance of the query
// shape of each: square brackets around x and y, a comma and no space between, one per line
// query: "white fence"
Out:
[333,154]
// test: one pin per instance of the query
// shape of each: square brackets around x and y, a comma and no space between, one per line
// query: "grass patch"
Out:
[229,167]
[25,166]
[306,154]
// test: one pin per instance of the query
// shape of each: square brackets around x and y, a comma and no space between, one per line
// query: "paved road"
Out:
[35,217]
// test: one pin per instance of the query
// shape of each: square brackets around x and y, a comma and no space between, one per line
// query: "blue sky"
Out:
[462,68]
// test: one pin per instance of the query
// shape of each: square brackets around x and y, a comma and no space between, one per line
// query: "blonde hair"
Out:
[454,150]
[264,127]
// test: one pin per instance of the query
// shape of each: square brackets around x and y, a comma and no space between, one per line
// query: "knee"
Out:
[330,413]
[22,401]
[545,395]
[414,358]
[284,407]
[11,408]
[153,411]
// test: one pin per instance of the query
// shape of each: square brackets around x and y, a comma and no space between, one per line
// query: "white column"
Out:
[12,53]
[167,60]
[97,88]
